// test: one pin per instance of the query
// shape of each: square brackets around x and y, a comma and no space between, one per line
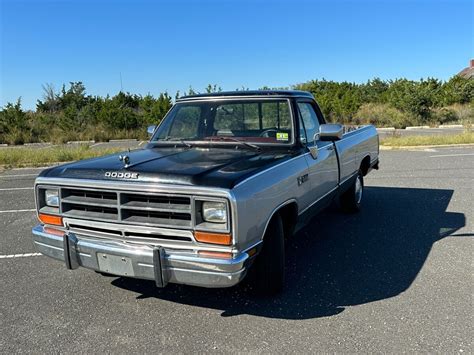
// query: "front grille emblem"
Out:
[121,175]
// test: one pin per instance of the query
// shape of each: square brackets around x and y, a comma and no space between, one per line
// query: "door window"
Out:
[310,120]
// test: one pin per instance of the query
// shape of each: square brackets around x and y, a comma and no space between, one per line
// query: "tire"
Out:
[269,267]
[352,198]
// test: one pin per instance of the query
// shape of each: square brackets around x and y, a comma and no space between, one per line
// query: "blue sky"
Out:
[171,45]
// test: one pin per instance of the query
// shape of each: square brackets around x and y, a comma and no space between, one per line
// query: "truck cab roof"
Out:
[243,93]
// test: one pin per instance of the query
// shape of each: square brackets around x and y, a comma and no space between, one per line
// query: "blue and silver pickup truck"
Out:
[223,181]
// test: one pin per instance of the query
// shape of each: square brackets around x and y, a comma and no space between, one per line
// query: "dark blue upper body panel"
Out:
[212,167]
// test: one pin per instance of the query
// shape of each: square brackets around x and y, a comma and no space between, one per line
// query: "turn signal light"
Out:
[48,219]
[214,238]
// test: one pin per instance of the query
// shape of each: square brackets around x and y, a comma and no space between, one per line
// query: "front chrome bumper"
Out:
[147,262]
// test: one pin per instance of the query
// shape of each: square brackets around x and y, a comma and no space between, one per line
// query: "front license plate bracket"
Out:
[114,264]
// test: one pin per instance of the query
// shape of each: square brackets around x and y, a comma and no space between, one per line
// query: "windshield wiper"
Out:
[250,145]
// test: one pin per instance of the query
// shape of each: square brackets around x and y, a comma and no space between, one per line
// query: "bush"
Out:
[444,115]
[71,114]
[383,115]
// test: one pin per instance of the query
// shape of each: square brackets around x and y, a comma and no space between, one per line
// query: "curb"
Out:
[35,144]
[80,142]
[411,147]
[451,126]
[4,167]
[122,140]
[417,127]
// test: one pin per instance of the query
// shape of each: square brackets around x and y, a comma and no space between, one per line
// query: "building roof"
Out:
[276,93]
[468,72]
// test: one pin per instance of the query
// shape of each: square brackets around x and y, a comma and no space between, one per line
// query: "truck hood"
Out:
[214,167]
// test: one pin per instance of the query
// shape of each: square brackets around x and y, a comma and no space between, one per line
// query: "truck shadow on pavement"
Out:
[338,260]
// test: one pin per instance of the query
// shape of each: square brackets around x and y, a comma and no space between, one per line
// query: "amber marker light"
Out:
[54,231]
[215,254]
[252,252]
[213,238]
[48,219]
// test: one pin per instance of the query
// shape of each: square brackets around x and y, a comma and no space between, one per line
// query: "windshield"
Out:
[256,121]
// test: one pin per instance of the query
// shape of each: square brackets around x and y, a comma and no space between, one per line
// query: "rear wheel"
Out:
[269,267]
[352,198]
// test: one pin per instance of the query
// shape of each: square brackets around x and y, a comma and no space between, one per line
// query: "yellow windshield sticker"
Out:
[282,136]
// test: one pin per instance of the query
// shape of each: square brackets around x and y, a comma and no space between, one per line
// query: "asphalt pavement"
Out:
[396,277]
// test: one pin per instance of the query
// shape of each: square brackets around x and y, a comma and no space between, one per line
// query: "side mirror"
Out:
[331,132]
[150,130]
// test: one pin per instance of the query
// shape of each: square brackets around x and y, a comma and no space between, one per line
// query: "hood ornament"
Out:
[125,159]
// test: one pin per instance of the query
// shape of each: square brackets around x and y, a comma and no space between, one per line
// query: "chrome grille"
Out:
[127,207]
[126,233]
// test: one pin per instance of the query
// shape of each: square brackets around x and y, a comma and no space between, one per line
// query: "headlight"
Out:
[214,212]
[51,198]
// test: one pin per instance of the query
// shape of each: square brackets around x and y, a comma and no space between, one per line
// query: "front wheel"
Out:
[352,198]
[270,264]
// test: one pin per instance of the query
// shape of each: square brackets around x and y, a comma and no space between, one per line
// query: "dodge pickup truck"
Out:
[223,181]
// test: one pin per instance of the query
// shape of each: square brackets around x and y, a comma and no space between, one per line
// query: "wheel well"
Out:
[365,165]
[289,216]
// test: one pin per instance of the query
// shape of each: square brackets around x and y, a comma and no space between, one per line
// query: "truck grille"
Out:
[127,207]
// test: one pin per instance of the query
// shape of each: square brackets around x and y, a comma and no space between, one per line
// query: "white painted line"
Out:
[2,176]
[451,155]
[24,255]
[14,211]
[18,188]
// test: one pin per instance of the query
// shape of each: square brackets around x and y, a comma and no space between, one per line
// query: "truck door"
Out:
[323,173]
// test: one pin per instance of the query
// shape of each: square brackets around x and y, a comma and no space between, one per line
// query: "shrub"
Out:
[383,115]
[71,114]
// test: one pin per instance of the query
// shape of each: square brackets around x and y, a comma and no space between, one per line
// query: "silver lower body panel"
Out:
[141,261]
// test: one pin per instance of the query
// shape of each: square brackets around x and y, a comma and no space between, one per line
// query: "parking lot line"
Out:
[14,211]
[18,188]
[451,155]
[24,255]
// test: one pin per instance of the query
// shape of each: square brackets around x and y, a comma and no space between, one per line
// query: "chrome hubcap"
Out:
[358,190]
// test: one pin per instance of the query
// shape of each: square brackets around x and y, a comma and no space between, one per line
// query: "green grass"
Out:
[21,157]
[405,141]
